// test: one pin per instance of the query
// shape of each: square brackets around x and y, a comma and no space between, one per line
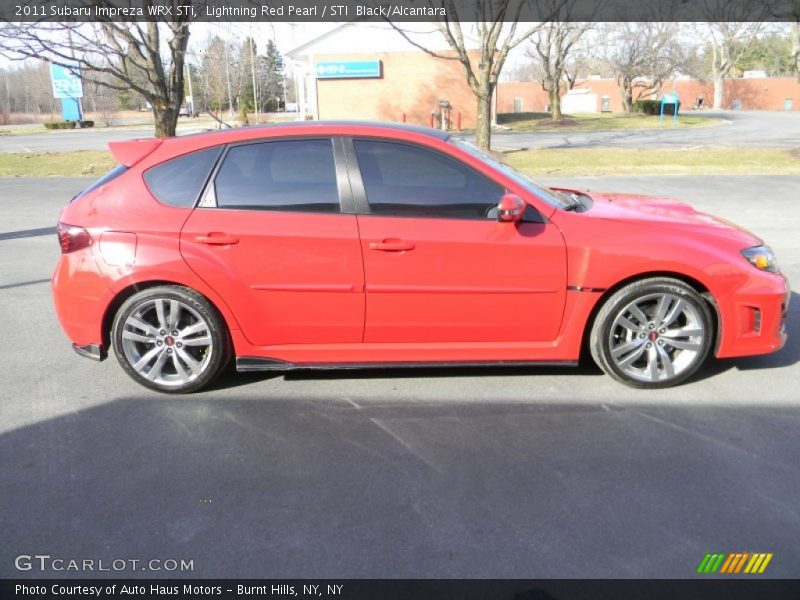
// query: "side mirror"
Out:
[510,209]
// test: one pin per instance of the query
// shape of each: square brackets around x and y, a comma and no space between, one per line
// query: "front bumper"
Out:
[753,317]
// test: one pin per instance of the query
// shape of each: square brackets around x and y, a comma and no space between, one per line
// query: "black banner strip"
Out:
[733,588]
[337,11]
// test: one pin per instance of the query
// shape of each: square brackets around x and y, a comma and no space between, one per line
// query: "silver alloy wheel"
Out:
[656,337]
[167,342]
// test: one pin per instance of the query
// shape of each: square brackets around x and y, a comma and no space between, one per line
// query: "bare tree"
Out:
[104,101]
[642,56]
[728,44]
[795,37]
[552,48]
[147,58]
[27,89]
[216,70]
[521,71]
[731,26]
[497,33]
[577,63]
[796,48]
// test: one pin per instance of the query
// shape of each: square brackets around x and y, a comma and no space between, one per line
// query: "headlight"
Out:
[761,257]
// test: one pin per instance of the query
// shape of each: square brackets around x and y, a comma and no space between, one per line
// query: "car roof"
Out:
[130,152]
[345,124]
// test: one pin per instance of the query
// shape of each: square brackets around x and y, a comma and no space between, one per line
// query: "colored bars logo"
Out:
[738,562]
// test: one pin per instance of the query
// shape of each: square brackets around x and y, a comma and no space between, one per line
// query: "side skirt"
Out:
[255,363]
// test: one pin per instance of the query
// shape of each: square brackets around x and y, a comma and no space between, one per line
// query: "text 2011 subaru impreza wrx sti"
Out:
[333,244]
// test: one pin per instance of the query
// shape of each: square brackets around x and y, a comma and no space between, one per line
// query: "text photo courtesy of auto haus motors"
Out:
[405,309]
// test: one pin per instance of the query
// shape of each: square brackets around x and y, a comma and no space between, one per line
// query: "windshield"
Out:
[540,190]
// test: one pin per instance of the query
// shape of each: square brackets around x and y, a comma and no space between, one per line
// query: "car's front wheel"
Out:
[652,333]
[170,339]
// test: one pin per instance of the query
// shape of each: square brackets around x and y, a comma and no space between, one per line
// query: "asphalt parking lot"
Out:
[436,473]
[750,128]
[740,129]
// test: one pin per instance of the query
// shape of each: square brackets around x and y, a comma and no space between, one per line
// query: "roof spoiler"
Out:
[130,152]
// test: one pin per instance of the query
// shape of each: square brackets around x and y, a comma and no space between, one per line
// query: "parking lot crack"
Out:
[406,445]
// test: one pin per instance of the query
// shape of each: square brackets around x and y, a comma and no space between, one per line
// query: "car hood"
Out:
[649,210]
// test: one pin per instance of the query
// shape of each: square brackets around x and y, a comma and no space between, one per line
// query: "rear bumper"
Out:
[80,297]
[754,316]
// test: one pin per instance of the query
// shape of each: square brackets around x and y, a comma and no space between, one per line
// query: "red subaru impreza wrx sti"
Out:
[333,244]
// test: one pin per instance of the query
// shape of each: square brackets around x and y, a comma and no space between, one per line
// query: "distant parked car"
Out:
[186,111]
[319,245]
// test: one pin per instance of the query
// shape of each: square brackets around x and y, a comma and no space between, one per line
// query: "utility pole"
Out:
[284,86]
[251,42]
[228,76]
[191,93]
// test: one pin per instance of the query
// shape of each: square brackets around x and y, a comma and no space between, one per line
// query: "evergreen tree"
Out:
[272,86]
[247,54]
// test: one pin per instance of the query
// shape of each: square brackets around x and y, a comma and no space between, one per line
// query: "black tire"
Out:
[200,363]
[629,340]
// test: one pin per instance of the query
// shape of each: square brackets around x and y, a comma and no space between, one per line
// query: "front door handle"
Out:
[216,238]
[392,245]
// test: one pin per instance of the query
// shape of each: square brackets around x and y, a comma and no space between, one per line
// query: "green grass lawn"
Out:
[24,130]
[600,122]
[650,161]
[84,163]
[570,161]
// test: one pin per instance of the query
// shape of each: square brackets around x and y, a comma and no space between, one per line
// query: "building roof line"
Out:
[299,50]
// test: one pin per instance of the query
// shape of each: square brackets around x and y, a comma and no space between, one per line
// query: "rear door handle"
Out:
[217,239]
[392,245]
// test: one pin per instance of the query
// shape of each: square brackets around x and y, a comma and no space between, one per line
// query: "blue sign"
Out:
[671,98]
[66,81]
[348,69]
[71,109]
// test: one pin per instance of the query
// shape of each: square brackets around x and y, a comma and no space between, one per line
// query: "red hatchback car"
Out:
[333,244]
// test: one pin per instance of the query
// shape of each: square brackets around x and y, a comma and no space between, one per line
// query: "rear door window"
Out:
[287,175]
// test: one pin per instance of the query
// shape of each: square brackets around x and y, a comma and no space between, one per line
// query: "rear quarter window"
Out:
[179,181]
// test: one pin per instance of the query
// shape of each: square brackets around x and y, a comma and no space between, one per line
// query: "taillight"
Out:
[72,238]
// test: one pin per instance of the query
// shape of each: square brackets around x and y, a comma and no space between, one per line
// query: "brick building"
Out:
[370,71]
[598,95]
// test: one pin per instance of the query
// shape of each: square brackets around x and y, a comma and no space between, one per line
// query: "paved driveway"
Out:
[752,128]
[80,139]
[435,473]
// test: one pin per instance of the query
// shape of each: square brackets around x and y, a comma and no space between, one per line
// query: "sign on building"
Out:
[348,69]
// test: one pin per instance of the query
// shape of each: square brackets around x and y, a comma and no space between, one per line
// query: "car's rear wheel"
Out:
[653,333]
[170,339]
